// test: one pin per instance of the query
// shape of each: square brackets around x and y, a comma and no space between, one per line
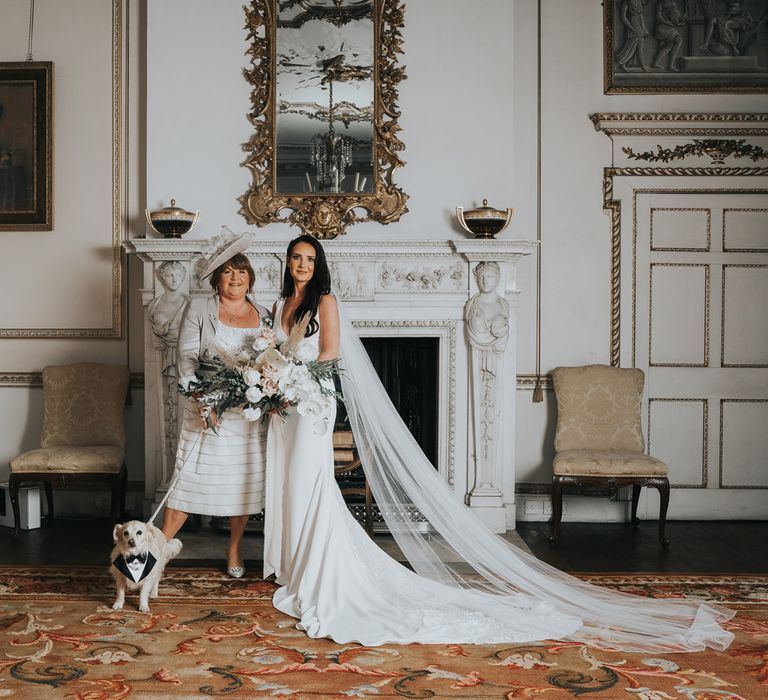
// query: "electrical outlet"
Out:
[532,507]
[547,507]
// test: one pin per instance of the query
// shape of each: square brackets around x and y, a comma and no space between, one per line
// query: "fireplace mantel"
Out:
[392,288]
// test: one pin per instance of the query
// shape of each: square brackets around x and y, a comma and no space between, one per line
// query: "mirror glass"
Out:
[324,96]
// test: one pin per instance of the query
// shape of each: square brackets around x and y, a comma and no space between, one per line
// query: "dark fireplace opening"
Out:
[408,369]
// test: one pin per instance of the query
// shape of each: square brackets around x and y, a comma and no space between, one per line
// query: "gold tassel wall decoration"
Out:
[538,392]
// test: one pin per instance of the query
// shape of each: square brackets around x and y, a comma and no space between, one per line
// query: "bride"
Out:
[337,582]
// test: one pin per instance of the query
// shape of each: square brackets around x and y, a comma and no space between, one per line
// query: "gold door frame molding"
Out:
[613,207]
[720,460]
[705,437]
[119,205]
[723,363]
[707,296]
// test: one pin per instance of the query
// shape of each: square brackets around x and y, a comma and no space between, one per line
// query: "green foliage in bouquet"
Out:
[218,387]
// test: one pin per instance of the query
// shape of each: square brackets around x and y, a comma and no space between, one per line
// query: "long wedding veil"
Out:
[402,478]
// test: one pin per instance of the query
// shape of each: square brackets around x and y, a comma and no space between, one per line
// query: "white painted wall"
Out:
[469,126]
[63,278]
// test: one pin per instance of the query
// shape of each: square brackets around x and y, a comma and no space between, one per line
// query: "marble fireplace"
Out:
[423,289]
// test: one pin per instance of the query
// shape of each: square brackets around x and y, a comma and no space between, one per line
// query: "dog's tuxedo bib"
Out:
[135,567]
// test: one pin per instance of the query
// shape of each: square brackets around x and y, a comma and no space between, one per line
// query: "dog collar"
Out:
[135,567]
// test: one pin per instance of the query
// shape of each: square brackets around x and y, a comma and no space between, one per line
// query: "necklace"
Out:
[232,317]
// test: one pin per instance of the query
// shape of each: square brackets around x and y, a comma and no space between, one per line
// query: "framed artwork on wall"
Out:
[26,142]
[685,46]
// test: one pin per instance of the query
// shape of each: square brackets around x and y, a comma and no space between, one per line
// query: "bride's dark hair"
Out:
[319,285]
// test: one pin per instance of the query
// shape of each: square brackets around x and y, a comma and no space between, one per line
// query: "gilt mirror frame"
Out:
[323,214]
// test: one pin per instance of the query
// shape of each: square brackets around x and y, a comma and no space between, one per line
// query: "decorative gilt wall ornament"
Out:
[717,149]
[324,113]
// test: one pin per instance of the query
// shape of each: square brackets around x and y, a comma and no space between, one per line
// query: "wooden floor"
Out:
[735,547]
[697,546]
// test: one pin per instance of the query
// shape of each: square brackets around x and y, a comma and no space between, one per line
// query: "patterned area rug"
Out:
[208,635]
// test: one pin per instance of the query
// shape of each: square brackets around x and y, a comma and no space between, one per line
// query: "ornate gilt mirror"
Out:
[324,112]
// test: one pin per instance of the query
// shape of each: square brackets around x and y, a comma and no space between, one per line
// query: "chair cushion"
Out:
[598,408]
[84,405]
[592,463]
[97,459]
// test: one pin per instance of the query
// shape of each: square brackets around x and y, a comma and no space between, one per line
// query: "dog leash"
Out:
[175,478]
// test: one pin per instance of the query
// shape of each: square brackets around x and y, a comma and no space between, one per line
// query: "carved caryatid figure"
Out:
[165,312]
[487,324]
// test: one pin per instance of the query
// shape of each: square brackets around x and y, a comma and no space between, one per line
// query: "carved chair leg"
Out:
[13,488]
[635,499]
[663,487]
[49,500]
[557,508]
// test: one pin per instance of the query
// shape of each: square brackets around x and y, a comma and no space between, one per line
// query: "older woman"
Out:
[223,470]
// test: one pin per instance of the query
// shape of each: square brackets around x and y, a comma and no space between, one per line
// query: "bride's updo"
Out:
[319,285]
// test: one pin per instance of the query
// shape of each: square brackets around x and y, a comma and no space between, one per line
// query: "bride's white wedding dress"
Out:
[338,583]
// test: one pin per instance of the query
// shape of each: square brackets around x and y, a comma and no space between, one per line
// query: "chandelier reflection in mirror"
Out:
[324,98]
[330,155]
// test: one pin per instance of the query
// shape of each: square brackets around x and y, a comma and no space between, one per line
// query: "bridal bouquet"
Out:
[266,380]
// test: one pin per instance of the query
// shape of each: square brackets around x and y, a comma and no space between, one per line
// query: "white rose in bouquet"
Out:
[267,339]
[272,365]
[251,414]
[253,394]
[251,377]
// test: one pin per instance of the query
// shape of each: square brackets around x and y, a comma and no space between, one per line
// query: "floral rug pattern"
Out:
[209,635]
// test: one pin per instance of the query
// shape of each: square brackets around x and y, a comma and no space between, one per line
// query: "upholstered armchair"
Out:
[599,437]
[83,436]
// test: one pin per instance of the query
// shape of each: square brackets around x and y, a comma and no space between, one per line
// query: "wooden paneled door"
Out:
[699,269]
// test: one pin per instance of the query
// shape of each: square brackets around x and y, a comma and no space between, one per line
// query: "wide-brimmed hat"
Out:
[222,248]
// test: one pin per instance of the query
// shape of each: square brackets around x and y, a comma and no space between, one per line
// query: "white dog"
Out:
[138,559]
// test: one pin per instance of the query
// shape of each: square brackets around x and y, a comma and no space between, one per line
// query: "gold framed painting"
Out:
[26,143]
[685,46]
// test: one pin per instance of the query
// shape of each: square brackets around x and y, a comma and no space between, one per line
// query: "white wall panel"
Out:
[678,435]
[679,309]
[745,229]
[745,316]
[680,229]
[744,444]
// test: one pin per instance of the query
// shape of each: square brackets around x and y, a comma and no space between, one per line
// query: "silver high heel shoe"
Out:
[236,571]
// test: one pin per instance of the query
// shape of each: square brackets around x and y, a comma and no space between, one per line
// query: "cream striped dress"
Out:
[224,473]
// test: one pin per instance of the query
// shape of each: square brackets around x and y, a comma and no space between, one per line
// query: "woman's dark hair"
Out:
[238,262]
[319,285]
